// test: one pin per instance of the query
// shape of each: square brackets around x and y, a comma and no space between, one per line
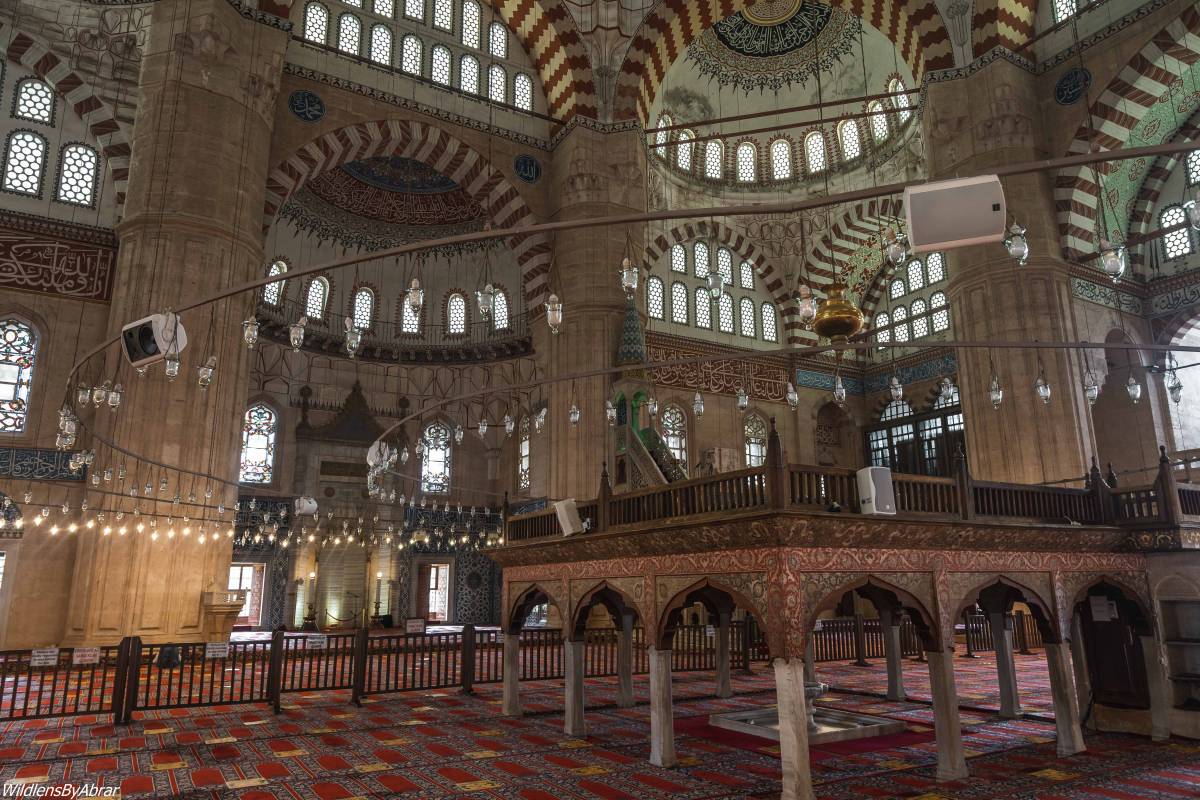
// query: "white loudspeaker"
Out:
[875,495]
[568,517]
[954,213]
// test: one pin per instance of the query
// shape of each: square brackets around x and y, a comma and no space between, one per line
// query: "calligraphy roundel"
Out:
[1072,86]
[306,105]
[782,27]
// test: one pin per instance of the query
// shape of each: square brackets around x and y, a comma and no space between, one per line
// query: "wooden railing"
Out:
[821,487]
[921,494]
[729,491]
[1041,503]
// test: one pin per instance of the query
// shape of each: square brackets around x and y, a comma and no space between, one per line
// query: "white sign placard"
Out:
[85,655]
[414,625]
[818,625]
[316,642]
[710,631]
[1101,609]
[44,657]
[216,649]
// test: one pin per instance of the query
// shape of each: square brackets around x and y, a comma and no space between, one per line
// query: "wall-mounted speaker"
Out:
[955,213]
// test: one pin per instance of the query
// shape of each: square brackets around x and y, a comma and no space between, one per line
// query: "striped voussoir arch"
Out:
[552,40]
[442,152]
[860,226]
[914,25]
[1141,215]
[1002,23]
[98,116]
[772,280]
[1132,93]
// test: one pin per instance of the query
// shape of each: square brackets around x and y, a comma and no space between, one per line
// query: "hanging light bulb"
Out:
[1193,210]
[1017,244]
[743,399]
[486,298]
[83,395]
[115,396]
[698,405]
[839,390]
[897,247]
[793,398]
[1113,259]
[171,366]
[353,338]
[539,421]
[1042,386]
[652,406]
[415,297]
[296,333]
[205,372]
[483,426]
[554,313]
[100,394]
[509,425]
[610,413]
[1091,387]
[895,388]
[1173,384]
[995,390]
[1134,389]
[250,332]
[404,454]
[27,497]
[715,283]
[573,415]
[629,275]
[458,434]
[806,308]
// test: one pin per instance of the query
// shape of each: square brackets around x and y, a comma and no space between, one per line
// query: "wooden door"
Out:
[1115,662]
[424,572]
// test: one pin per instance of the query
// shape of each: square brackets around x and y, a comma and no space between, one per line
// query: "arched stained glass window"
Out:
[414,9]
[747,162]
[439,64]
[935,267]
[18,355]
[899,324]
[916,275]
[468,74]
[700,262]
[781,159]
[746,311]
[898,289]
[663,137]
[725,314]
[523,92]
[381,44]
[498,40]
[259,428]
[471,15]
[848,137]
[364,308]
[349,34]
[882,332]
[318,296]
[679,303]
[523,458]
[920,322]
[456,314]
[703,308]
[725,266]
[683,151]
[35,101]
[1177,243]
[500,320]
[410,54]
[435,461]
[77,173]
[879,122]
[678,258]
[755,431]
[497,84]
[714,159]
[814,151]
[316,23]
[443,15]
[654,298]
[770,330]
[273,292]
[24,162]
[1193,168]
[746,275]
[941,313]
[900,100]
[410,321]
[674,431]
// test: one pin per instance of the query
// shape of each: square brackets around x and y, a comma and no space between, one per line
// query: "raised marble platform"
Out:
[829,725]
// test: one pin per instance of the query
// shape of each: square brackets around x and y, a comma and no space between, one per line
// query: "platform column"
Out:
[662,715]
[889,622]
[1066,709]
[1160,690]
[793,730]
[1006,671]
[951,760]
[625,662]
[511,703]
[724,686]
[573,720]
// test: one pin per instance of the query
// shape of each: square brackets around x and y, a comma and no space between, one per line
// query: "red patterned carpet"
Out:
[441,744]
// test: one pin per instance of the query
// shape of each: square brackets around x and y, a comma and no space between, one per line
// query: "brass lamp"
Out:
[838,318]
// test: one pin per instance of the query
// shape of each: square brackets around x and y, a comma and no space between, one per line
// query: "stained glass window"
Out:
[500,312]
[35,101]
[1063,9]
[714,157]
[18,352]
[916,275]
[882,332]
[941,314]
[814,151]
[349,34]
[385,8]
[662,137]
[781,159]
[470,23]
[468,74]
[456,314]
[746,275]
[435,463]
[848,136]
[679,303]
[523,92]
[746,311]
[443,14]
[258,444]
[523,455]
[1178,243]
[935,267]
[414,9]
[683,151]
[725,266]
[273,292]
[410,321]
[674,429]
[410,55]
[703,308]
[756,441]
[316,23]
[498,40]
[747,158]
[497,84]
[23,162]
[769,328]
[678,258]
[77,175]
[1193,168]
[899,325]
[898,289]
[920,322]
[364,308]
[381,44]
[700,260]
[879,122]
[439,64]
[654,298]
[725,314]
[318,294]
[901,99]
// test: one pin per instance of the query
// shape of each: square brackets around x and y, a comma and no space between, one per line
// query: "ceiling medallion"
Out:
[771,12]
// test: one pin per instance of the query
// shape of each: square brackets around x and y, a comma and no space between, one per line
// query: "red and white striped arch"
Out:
[1131,94]
[862,225]
[914,25]
[1141,215]
[1002,23]
[439,150]
[550,36]
[33,53]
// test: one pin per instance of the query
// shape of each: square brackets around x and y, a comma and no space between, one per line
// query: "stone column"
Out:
[724,686]
[1083,682]
[1066,709]
[951,761]
[1160,689]
[1006,668]
[573,658]
[625,662]
[889,622]
[810,660]
[662,719]
[793,730]
[511,700]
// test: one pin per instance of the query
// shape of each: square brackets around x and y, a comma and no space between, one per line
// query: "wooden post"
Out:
[860,641]
[962,478]
[275,670]
[776,477]
[467,654]
[359,683]
[967,629]
[1022,633]
[1169,508]
[129,702]
[602,498]
[120,679]
[1104,498]
[747,636]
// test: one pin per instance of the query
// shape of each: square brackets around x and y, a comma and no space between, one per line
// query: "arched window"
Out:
[498,40]
[916,275]
[435,461]
[273,292]
[781,159]
[497,84]
[663,137]
[725,313]
[674,430]
[318,295]
[920,322]
[898,289]
[654,298]
[316,23]
[468,74]
[443,15]
[414,9]
[456,314]
[18,354]
[679,303]
[769,328]
[381,44]
[500,312]
[35,101]
[814,151]
[747,162]
[895,410]
[879,121]
[935,267]
[900,100]
[683,151]
[349,34]
[714,159]
[703,308]
[1177,243]
[470,23]
[410,321]
[523,92]
[523,455]
[941,313]
[355,3]
[756,441]
[746,311]
[882,332]
[1193,168]
[678,258]
[746,275]
[77,174]
[848,137]
[410,55]
[439,64]
[1064,9]
[899,323]
[725,266]
[385,8]
[24,160]
[259,428]
[700,260]
[364,308]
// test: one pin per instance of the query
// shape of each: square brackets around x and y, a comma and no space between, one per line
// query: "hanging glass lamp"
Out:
[554,313]
[1091,388]
[1134,389]
[1017,244]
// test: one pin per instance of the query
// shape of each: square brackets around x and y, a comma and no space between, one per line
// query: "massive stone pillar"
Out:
[511,699]
[662,719]
[192,225]
[889,622]
[793,730]
[722,655]
[1066,709]
[574,723]
[1006,668]
[625,662]
[951,760]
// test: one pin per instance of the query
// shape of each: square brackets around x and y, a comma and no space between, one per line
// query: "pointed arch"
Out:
[709,587]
